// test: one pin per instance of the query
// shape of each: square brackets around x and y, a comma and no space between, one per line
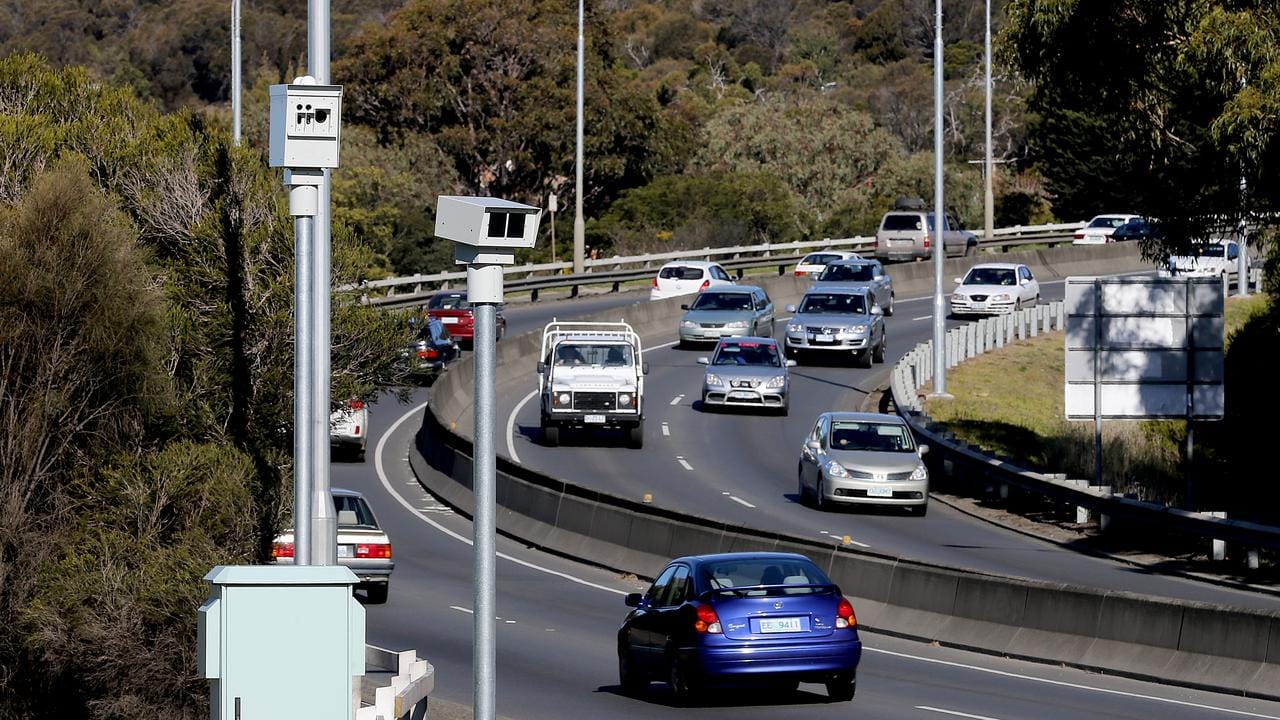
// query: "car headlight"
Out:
[856,330]
[736,325]
[956,297]
[835,469]
[920,473]
[795,327]
[1001,297]
[713,379]
[563,398]
[688,324]
[776,382]
[624,399]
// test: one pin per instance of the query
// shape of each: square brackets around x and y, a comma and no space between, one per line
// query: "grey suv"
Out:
[835,321]
[859,273]
[909,234]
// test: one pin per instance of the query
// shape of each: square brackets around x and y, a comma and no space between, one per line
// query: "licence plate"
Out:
[346,551]
[824,338]
[449,320]
[780,625]
[593,418]
[880,492]
[742,396]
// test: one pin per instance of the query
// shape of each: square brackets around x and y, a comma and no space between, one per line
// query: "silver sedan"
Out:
[863,458]
[747,372]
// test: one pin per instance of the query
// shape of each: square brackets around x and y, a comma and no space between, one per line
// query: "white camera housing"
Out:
[486,230]
[306,125]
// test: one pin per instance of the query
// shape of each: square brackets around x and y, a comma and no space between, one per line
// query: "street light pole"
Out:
[939,218]
[235,72]
[579,228]
[989,203]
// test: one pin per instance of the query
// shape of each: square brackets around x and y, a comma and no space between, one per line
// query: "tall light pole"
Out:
[1242,247]
[989,202]
[324,525]
[579,228]
[939,218]
[235,72]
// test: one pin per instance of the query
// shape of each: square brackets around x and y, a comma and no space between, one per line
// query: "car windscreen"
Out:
[991,276]
[1212,251]
[680,272]
[747,353]
[612,355]
[755,572]
[871,436]
[722,301]
[836,303]
[449,301]
[847,273]
[902,221]
[353,511]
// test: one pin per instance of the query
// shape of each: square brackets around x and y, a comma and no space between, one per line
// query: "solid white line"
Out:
[1075,686]
[922,317]
[954,712]
[740,501]
[676,400]
[468,611]
[666,430]
[684,463]
[386,483]
[511,427]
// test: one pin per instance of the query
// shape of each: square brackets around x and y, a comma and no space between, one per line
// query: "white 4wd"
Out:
[591,375]
[1207,259]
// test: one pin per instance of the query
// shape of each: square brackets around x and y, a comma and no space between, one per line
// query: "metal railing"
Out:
[614,271]
[404,696]
[971,465]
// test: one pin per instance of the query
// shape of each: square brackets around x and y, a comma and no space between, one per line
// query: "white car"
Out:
[1214,258]
[995,289]
[815,262]
[349,429]
[686,277]
[363,547]
[1098,230]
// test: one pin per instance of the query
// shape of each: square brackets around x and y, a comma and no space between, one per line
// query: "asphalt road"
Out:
[555,635]
[740,467]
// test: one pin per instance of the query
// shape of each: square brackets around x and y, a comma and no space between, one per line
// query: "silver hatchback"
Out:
[863,458]
[747,372]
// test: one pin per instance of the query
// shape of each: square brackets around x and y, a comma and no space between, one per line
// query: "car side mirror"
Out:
[704,361]
[791,363]
[877,310]
[958,281]
[813,444]
[684,306]
[542,367]
[791,308]
[633,599]
[922,450]
[644,367]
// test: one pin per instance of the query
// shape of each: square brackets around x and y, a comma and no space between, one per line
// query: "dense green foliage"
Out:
[145,386]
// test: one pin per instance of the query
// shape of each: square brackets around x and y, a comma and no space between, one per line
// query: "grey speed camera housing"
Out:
[486,229]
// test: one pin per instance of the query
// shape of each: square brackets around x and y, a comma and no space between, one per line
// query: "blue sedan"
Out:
[740,618]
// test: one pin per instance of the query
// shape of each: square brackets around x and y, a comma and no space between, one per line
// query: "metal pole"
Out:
[989,204]
[324,547]
[579,228]
[939,218]
[480,282]
[303,229]
[1242,260]
[1097,382]
[235,72]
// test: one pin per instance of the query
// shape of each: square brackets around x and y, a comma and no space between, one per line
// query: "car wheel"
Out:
[635,435]
[377,593]
[802,493]
[820,493]
[785,410]
[684,686]
[889,310]
[880,350]
[551,435]
[922,509]
[863,359]
[968,248]
[842,687]
[628,677]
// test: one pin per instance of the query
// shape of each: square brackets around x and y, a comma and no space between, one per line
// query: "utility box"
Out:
[306,125]
[486,229]
[281,641]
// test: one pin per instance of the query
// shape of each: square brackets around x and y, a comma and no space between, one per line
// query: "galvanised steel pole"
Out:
[481,280]
[579,228]
[989,202]
[235,72]
[939,218]
[324,547]
[303,242]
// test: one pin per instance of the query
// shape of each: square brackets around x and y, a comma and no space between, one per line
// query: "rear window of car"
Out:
[680,272]
[847,273]
[1107,222]
[902,221]
[449,301]
[353,511]
[820,259]
[754,572]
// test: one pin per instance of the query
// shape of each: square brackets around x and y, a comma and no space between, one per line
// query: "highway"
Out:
[555,638]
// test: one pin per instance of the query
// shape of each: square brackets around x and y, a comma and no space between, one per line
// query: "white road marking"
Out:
[922,317]
[468,611]
[676,400]
[380,468]
[666,430]
[511,427]
[954,712]
[1074,686]
[855,542]
[740,501]
[684,463]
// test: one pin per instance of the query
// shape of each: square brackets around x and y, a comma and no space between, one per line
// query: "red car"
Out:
[451,308]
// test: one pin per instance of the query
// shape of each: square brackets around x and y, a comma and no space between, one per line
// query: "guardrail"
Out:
[616,270]
[967,464]
[404,696]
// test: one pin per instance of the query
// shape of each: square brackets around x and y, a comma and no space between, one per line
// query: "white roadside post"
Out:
[486,233]
[304,139]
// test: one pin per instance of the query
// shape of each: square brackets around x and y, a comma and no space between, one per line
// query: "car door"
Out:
[642,633]
[882,284]
[764,313]
[673,621]
[1028,288]
[809,458]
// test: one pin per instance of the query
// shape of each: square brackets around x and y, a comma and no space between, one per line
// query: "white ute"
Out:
[591,375]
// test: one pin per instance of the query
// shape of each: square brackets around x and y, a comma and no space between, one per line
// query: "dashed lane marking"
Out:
[740,501]
[684,463]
